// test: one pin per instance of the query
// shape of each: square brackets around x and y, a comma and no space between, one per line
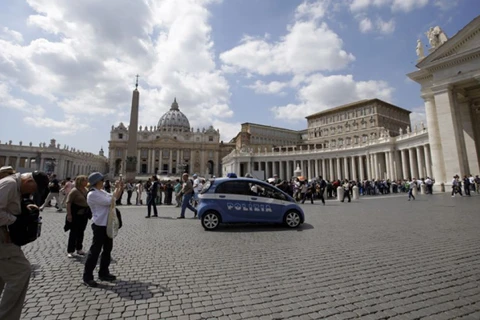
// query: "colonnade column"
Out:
[345,168]
[413,164]
[387,164]
[428,164]
[361,169]
[331,169]
[289,170]
[375,164]
[434,138]
[420,161]
[405,172]
[339,169]
[354,169]
[369,168]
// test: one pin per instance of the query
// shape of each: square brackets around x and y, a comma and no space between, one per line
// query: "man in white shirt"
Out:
[99,202]
[196,188]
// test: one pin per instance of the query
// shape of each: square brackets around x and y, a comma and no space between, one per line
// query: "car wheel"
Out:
[292,219]
[210,220]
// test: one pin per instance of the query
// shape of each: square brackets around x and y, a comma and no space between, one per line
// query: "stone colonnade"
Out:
[406,163]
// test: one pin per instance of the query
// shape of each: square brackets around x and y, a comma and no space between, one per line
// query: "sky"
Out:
[67,68]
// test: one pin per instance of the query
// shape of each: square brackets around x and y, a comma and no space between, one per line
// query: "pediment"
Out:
[465,41]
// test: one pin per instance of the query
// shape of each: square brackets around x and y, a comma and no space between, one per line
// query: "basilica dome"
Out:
[174,120]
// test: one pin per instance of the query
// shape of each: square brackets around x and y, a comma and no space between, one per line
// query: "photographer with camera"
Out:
[14,267]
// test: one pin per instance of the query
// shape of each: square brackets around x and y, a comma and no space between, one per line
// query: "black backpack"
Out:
[26,228]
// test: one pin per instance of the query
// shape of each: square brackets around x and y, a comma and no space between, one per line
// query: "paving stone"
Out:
[380,258]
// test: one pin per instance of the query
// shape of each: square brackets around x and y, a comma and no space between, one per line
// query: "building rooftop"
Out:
[354,104]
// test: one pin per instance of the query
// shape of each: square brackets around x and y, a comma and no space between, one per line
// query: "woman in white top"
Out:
[139,187]
[99,202]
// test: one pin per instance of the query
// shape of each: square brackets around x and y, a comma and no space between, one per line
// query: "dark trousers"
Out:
[456,189]
[129,196]
[410,194]
[320,195]
[346,194]
[150,203]
[307,195]
[100,241]
[77,231]
[467,189]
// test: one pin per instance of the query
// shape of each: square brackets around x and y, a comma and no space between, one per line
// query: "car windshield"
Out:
[206,186]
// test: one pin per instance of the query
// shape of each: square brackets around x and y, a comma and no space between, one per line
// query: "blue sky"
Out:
[67,69]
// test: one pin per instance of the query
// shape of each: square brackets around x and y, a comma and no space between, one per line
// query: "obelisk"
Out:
[131,165]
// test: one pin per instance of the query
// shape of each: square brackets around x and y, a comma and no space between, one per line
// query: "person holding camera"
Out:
[14,267]
[77,215]
[99,202]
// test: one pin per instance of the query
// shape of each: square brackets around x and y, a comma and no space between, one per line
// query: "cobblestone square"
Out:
[377,258]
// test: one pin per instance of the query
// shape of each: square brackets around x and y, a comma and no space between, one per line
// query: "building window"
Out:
[364,124]
[165,154]
[144,153]
[340,142]
[364,138]
[339,129]
[333,143]
[119,153]
[210,154]
[120,136]
[210,138]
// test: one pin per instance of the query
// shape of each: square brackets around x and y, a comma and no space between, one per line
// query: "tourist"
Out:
[466,185]
[456,187]
[107,186]
[152,193]
[477,183]
[6,171]
[65,190]
[178,196]
[54,188]
[77,216]
[168,193]
[429,185]
[196,190]
[139,189]
[346,190]
[187,192]
[412,185]
[309,190]
[15,269]
[322,185]
[100,202]
[130,188]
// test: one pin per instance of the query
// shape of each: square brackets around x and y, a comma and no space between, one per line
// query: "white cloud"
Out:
[11,35]
[86,63]
[273,87]
[324,92]
[365,25]
[418,116]
[395,5]
[311,10]
[308,47]
[385,27]
[7,100]
[68,126]
[446,5]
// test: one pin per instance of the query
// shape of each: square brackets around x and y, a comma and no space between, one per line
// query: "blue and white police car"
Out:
[247,200]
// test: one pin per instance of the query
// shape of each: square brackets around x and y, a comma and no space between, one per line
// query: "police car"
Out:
[227,200]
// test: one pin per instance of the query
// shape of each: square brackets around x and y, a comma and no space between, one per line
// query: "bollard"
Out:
[356,194]
[414,192]
[339,193]
[391,188]
[442,187]
[325,194]
[423,189]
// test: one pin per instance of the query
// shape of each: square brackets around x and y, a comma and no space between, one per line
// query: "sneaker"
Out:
[80,252]
[70,255]
[107,277]
[147,217]
[59,210]
[90,283]
[180,217]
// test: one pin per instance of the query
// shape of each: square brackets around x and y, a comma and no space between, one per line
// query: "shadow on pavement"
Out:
[258,227]
[133,290]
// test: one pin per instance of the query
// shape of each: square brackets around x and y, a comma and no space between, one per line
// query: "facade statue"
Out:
[400,131]
[419,50]
[436,37]
[423,126]
[408,129]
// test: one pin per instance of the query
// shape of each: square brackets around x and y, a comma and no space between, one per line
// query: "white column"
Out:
[420,158]
[149,156]
[339,169]
[428,164]
[331,170]
[413,164]
[345,168]
[391,163]
[360,166]
[309,169]
[369,167]
[324,171]
[267,170]
[467,128]
[317,166]
[376,170]
[289,170]
[354,169]
[202,163]
[405,172]
[387,164]
[170,162]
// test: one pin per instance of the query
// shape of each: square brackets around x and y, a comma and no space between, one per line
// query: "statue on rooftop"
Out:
[419,50]
[436,37]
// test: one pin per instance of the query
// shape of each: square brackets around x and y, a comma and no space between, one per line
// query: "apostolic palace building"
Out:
[372,139]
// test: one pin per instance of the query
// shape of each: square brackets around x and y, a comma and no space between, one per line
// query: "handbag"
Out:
[112,221]
[26,228]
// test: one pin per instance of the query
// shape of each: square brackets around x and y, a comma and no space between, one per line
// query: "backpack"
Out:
[27,227]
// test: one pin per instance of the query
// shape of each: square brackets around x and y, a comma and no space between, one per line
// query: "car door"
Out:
[269,203]
[233,197]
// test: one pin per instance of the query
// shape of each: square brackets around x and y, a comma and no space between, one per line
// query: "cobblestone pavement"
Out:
[383,258]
